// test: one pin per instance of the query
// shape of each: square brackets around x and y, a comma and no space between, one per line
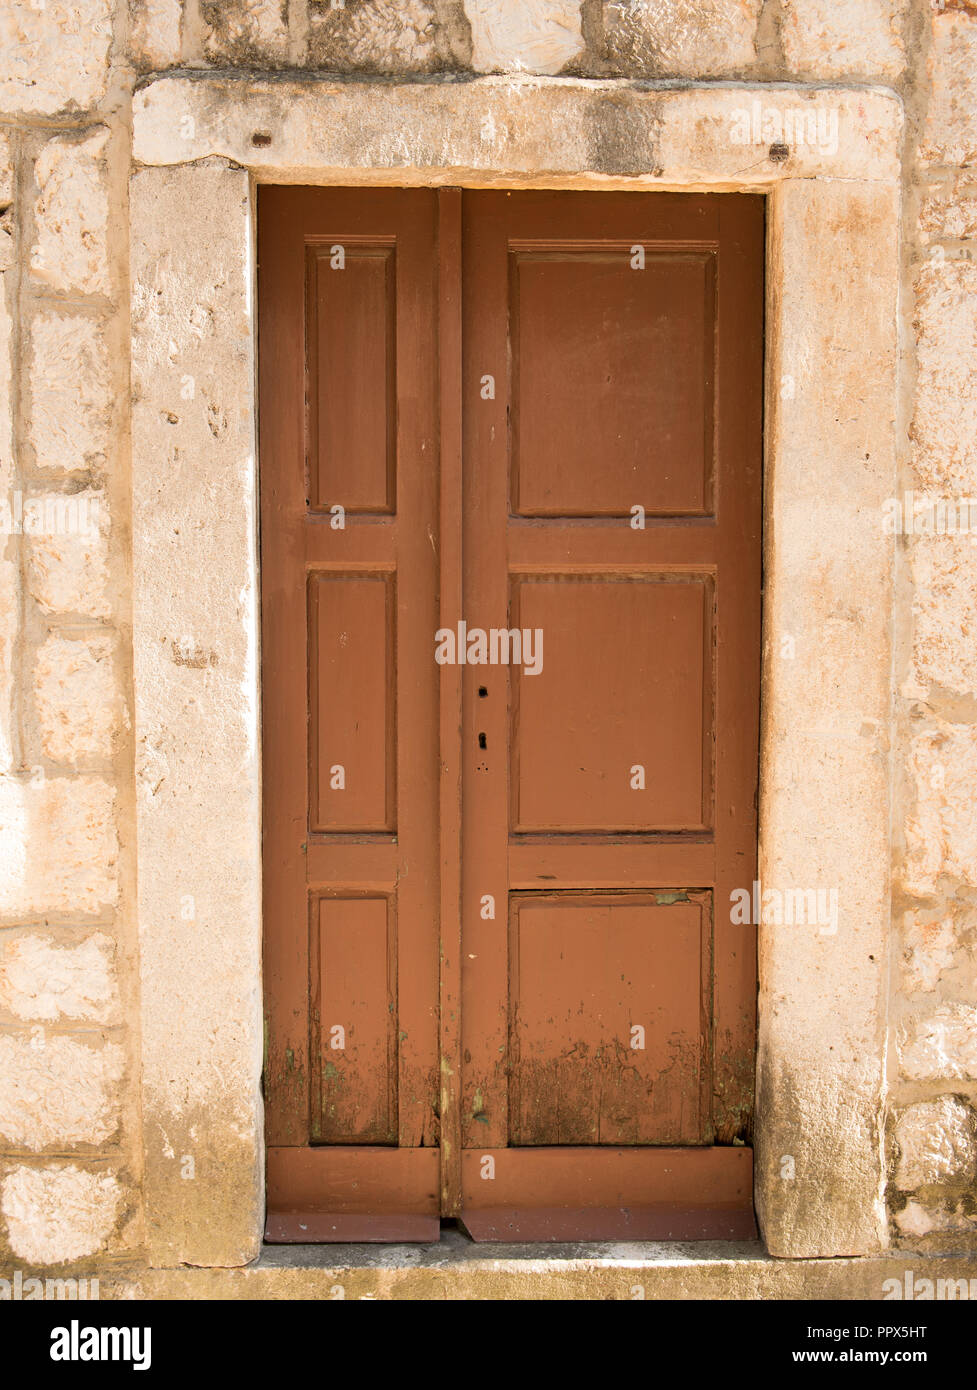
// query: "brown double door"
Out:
[510,553]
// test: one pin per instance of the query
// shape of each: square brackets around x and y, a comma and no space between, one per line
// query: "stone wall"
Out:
[933,1015]
[70,1168]
[69,1123]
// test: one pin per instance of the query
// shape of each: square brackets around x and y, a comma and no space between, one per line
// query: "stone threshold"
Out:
[459,1269]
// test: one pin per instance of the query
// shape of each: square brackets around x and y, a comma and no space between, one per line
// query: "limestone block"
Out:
[377,36]
[512,125]
[68,555]
[155,33]
[936,1142]
[195,681]
[948,211]
[6,168]
[7,212]
[246,33]
[941,1046]
[9,622]
[944,427]
[9,568]
[60,847]
[686,38]
[77,698]
[944,570]
[70,252]
[920,1219]
[57,1090]
[55,55]
[950,133]
[844,38]
[70,392]
[821,1078]
[45,980]
[58,1214]
[941,831]
[539,36]
[937,942]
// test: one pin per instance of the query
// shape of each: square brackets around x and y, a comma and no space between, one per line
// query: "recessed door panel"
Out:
[352,365]
[354,1014]
[613,733]
[353,696]
[621,414]
[609,1032]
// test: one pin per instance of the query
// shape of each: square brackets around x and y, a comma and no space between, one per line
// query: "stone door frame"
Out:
[828,160]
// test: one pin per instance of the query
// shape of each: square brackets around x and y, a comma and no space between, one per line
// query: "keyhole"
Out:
[482,741]
[482,692]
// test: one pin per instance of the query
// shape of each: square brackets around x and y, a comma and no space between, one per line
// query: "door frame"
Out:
[833,274]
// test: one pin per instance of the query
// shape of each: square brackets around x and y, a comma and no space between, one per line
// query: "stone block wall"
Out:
[69,1122]
[70,1179]
[933,1016]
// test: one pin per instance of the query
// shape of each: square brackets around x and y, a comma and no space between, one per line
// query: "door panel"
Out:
[501,982]
[631,751]
[352,753]
[352,359]
[354,974]
[609,999]
[631,384]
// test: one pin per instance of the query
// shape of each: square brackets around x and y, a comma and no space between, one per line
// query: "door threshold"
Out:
[454,1246]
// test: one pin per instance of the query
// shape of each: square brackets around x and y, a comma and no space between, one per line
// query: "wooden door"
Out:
[511,699]
[613,508]
[349,516]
